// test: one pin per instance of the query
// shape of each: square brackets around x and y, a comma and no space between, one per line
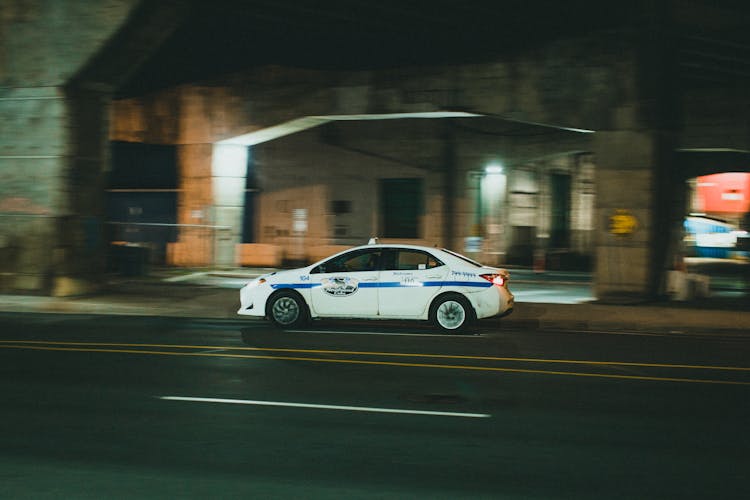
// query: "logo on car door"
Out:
[340,286]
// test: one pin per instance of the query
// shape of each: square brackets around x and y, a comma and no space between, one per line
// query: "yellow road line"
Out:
[394,354]
[381,363]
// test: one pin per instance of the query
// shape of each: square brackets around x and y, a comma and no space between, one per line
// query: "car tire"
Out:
[286,309]
[451,313]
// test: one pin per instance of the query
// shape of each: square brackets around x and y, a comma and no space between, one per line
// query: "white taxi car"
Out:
[380,281]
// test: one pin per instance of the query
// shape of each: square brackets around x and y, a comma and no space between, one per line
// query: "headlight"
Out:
[255,283]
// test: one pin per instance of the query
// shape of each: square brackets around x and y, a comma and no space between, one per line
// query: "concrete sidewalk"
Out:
[175,294]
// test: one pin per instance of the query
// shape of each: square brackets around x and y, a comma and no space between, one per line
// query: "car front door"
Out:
[408,282]
[346,285]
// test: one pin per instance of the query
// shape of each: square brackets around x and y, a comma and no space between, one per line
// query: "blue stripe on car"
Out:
[385,284]
[294,285]
[391,284]
[476,284]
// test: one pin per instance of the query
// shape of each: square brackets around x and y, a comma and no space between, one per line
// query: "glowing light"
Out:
[493,169]
[229,160]
[495,279]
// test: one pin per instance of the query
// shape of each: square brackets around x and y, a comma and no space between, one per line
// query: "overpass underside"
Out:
[571,164]
[599,124]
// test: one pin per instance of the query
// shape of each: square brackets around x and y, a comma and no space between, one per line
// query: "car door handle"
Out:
[369,279]
[434,276]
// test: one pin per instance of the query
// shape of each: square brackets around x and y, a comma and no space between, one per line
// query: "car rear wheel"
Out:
[451,313]
[287,310]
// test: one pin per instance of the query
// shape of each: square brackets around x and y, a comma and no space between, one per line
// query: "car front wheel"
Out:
[287,310]
[451,313]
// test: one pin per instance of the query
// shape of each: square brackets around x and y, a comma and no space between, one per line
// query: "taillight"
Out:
[495,279]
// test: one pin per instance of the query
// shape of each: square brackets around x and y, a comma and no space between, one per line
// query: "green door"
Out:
[560,226]
[401,206]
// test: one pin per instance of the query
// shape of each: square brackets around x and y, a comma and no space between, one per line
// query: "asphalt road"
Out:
[129,407]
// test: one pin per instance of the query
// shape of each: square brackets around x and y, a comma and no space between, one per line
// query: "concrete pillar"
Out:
[632,222]
[80,249]
[195,238]
[31,180]
[53,151]
[60,61]
[636,181]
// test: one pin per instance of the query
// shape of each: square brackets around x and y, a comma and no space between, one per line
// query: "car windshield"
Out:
[463,258]
[358,260]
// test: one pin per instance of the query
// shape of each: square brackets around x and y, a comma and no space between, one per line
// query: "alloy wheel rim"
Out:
[285,310]
[451,314]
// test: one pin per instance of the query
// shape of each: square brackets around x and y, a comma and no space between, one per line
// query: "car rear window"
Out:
[462,257]
[410,260]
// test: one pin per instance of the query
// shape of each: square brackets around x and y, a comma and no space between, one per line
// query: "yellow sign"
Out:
[622,222]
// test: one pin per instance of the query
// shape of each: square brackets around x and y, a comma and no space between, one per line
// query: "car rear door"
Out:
[408,282]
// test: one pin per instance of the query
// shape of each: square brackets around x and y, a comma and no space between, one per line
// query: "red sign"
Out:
[726,193]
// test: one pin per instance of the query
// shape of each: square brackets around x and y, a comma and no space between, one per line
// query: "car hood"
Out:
[287,274]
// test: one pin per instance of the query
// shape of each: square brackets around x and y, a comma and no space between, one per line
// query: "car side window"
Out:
[410,260]
[361,260]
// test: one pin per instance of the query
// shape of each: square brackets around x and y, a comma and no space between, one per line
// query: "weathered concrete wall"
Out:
[44,170]
[59,61]
[300,172]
